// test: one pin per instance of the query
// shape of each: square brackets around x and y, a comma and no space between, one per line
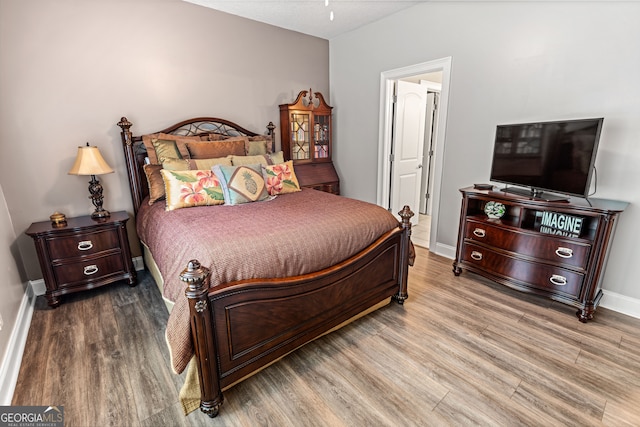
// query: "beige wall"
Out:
[69,69]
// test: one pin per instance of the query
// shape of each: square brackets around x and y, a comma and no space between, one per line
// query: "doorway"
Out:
[388,81]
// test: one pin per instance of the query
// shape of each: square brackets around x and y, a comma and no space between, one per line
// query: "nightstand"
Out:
[82,255]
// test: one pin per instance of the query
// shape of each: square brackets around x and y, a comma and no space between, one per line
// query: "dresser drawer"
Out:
[82,244]
[534,274]
[80,273]
[543,247]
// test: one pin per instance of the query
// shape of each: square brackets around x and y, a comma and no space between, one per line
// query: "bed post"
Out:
[270,128]
[405,252]
[202,333]
[130,159]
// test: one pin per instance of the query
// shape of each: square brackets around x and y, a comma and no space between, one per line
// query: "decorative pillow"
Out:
[185,189]
[276,158]
[249,160]
[155,182]
[281,178]
[213,149]
[180,142]
[166,149]
[207,164]
[241,184]
[258,145]
[177,164]
[217,137]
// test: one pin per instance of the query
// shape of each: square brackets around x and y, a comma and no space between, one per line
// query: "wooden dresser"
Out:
[82,255]
[555,249]
[306,133]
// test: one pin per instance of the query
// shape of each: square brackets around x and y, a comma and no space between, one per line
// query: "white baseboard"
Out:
[445,250]
[38,286]
[138,263]
[620,303]
[11,364]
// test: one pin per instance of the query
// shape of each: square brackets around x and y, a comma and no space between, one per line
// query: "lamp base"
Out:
[95,189]
[102,214]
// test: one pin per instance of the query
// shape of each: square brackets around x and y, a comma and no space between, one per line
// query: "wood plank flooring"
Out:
[461,351]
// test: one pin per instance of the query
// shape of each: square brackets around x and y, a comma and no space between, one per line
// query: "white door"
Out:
[408,146]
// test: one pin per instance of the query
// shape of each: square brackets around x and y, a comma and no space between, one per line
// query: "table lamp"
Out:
[89,161]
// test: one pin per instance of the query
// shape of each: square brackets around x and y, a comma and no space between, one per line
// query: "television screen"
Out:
[548,156]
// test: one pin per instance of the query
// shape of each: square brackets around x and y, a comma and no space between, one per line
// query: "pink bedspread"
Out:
[293,234]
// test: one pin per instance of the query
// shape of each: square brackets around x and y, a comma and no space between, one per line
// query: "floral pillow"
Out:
[189,188]
[241,184]
[281,178]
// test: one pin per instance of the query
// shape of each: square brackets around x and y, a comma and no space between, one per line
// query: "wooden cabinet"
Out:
[555,249]
[306,133]
[84,254]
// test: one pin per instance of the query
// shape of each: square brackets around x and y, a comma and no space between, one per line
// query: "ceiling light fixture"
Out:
[326,3]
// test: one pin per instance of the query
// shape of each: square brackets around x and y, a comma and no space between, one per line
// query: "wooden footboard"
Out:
[240,327]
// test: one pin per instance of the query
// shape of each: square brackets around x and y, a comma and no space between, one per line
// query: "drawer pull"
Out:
[479,232]
[476,255]
[85,245]
[564,252]
[558,280]
[90,269]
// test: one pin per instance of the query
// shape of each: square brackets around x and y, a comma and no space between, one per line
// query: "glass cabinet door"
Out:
[321,137]
[300,136]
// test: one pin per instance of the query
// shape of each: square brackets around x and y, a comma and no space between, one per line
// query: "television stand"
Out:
[536,194]
[557,250]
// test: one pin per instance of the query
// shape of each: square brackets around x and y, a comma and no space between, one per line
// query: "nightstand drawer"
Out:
[80,273]
[82,244]
[83,254]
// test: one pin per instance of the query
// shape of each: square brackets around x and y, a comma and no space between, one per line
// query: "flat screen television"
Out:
[556,157]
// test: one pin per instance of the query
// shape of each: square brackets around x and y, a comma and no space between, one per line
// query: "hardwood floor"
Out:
[461,351]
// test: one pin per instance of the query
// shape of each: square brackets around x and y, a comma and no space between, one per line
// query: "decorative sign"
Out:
[560,224]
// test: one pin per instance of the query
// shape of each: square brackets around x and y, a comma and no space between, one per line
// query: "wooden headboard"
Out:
[135,151]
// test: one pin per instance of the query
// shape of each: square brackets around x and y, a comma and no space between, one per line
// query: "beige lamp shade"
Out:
[89,162]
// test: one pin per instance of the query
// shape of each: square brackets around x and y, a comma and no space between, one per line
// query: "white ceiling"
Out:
[311,16]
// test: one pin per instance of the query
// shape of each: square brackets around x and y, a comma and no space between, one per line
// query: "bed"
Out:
[249,281]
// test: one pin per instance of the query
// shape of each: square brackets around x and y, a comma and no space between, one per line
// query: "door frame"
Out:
[387,80]
[429,153]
